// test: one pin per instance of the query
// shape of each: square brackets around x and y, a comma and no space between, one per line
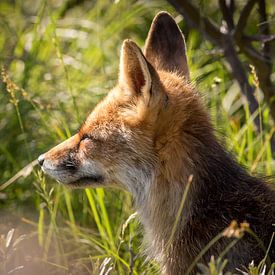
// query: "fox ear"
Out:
[165,46]
[135,71]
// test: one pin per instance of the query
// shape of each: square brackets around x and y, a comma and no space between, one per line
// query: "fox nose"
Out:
[41,159]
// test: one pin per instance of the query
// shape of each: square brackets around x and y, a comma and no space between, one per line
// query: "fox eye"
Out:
[88,137]
[85,137]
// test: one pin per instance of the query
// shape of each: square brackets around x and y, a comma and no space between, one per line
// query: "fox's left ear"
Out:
[135,72]
[165,45]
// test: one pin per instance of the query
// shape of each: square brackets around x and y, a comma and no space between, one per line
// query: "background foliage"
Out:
[58,61]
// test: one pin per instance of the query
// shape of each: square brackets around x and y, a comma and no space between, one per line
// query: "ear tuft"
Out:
[165,46]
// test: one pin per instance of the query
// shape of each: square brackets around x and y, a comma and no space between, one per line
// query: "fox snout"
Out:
[69,165]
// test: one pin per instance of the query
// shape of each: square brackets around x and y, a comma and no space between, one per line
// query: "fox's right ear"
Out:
[165,46]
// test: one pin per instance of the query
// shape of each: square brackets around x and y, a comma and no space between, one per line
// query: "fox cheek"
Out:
[70,161]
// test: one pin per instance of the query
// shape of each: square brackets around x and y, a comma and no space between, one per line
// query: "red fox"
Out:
[151,134]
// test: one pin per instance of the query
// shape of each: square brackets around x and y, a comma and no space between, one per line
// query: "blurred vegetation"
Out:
[59,59]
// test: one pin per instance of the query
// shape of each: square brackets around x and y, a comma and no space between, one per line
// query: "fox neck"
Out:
[161,205]
[161,210]
[158,216]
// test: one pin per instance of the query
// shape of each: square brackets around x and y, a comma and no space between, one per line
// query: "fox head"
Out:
[137,127]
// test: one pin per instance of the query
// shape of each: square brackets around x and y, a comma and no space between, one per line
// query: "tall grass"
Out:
[62,66]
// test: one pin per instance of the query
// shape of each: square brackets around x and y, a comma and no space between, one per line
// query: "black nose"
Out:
[41,159]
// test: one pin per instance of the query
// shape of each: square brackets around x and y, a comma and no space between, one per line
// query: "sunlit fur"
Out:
[148,136]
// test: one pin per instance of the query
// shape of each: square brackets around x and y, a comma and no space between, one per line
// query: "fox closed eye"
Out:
[86,137]
[89,137]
